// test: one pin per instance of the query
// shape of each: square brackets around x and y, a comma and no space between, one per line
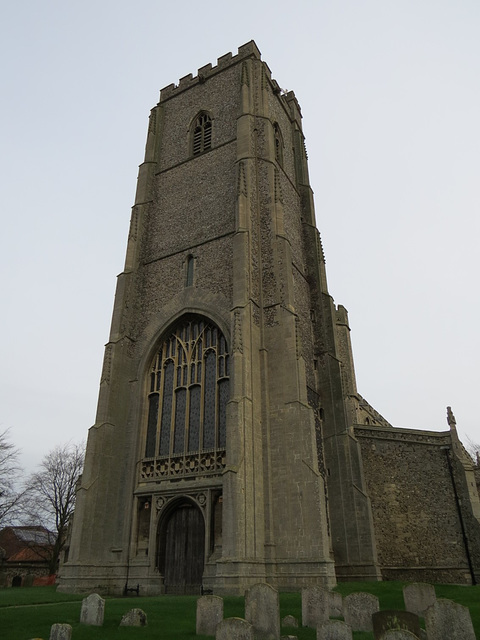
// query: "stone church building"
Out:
[231,445]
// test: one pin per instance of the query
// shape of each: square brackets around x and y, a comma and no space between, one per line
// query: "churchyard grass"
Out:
[29,612]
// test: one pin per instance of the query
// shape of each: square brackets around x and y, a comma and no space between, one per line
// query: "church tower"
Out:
[226,392]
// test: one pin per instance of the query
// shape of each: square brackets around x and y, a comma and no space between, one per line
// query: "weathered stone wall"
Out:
[218,96]
[27,573]
[418,529]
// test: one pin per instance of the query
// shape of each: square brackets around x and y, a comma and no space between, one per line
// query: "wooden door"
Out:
[184,550]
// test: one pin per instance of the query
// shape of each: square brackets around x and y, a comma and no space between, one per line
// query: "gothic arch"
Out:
[187,389]
[200,133]
[194,300]
[180,546]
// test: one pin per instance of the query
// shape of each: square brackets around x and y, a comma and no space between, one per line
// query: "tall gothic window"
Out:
[202,134]
[188,391]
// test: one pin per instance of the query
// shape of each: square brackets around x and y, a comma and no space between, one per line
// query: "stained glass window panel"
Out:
[152,425]
[179,431]
[209,400]
[166,410]
[194,419]
[223,395]
[185,418]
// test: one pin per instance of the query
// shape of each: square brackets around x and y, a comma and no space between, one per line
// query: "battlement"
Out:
[248,50]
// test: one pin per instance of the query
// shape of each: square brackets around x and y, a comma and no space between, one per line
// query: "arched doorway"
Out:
[17,581]
[181,549]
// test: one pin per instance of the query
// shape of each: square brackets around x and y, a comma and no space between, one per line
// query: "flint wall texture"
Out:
[411,489]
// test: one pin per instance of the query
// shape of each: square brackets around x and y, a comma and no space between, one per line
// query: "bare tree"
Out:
[51,494]
[473,449]
[10,470]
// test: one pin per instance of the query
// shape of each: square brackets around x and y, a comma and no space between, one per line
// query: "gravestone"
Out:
[209,614]
[262,610]
[28,581]
[447,620]
[418,596]
[399,634]
[336,604]
[61,632]
[334,630]
[134,618]
[358,609]
[93,609]
[234,629]
[289,621]
[315,606]
[394,620]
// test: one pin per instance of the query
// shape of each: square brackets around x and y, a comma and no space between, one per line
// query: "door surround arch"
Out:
[180,546]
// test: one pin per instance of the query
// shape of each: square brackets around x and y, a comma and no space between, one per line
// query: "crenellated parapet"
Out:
[246,51]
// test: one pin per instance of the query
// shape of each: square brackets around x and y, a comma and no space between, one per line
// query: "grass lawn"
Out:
[27,613]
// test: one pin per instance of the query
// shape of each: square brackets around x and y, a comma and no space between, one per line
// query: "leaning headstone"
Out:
[234,629]
[447,620]
[134,618]
[358,609]
[336,604]
[61,632]
[93,610]
[391,619]
[399,634]
[315,606]
[418,596]
[334,630]
[262,610]
[209,614]
[289,621]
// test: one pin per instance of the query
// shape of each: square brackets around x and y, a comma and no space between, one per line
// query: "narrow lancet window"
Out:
[278,144]
[190,270]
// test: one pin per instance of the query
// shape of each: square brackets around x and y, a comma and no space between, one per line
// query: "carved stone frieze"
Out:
[152,124]
[237,333]
[107,364]
[203,463]
[242,180]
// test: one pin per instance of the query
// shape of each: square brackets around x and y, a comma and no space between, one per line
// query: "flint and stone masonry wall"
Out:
[418,525]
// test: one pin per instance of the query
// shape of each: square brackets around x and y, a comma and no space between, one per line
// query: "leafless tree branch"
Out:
[51,493]
[10,471]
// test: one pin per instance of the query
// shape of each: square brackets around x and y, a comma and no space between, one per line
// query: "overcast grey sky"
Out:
[390,97]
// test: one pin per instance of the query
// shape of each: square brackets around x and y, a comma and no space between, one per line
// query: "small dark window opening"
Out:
[278,144]
[202,134]
[190,268]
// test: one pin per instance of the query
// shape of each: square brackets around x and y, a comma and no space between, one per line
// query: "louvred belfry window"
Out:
[188,391]
[202,134]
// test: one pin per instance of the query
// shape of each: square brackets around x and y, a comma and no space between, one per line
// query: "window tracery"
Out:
[187,394]
[202,134]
